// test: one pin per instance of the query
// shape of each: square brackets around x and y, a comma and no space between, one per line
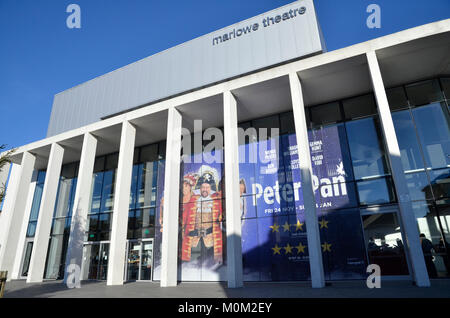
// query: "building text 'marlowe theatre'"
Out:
[323,163]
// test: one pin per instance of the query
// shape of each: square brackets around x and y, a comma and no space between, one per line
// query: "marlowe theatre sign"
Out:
[267,21]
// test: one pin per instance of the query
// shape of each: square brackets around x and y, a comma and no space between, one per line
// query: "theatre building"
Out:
[247,154]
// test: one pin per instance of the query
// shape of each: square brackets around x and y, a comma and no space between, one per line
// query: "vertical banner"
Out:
[158,221]
[274,243]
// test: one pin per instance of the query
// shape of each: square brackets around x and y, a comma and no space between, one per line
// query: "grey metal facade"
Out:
[205,60]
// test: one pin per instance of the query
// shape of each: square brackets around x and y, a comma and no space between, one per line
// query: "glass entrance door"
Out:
[95,261]
[133,260]
[140,260]
[26,259]
[146,266]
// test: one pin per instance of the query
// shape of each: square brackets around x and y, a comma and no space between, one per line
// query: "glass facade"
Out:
[102,198]
[34,213]
[147,179]
[354,192]
[32,222]
[350,174]
[62,217]
[147,171]
[421,119]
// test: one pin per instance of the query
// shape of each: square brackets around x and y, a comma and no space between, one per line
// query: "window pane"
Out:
[430,236]
[325,114]
[265,125]
[360,106]
[63,200]
[69,171]
[147,184]
[287,125]
[93,222]
[397,98]
[41,177]
[149,153]
[31,230]
[148,218]
[366,148]
[134,181]
[331,152]
[108,191]
[424,92]
[445,82]
[96,193]
[58,226]
[56,257]
[432,124]
[105,222]
[418,186]
[131,220]
[111,161]
[376,191]
[440,183]
[138,216]
[385,243]
[162,150]
[34,214]
[99,164]
[407,141]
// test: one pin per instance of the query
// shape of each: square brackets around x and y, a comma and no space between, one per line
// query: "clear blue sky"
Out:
[40,56]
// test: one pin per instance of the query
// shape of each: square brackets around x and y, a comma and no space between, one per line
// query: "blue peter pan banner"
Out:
[274,242]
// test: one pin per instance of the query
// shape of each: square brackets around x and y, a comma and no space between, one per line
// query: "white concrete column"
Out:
[8,204]
[4,177]
[412,241]
[118,242]
[81,203]
[232,194]
[17,193]
[17,268]
[309,201]
[169,246]
[44,224]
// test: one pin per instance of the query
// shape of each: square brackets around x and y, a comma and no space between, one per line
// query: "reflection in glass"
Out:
[385,243]
[407,140]
[366,148]
[433,230]
[418,186]
[27,258]
[432,124]
[375,191]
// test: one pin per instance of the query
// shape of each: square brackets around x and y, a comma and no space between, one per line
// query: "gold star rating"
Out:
[286,227]
[288,249]
[300,248]
[298,226]
[323,223]
[276,250]
[326,247]
[275,228]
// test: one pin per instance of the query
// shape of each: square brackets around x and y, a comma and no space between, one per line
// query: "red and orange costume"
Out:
[195,227]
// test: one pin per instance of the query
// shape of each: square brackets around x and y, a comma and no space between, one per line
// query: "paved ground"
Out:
[348,289]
